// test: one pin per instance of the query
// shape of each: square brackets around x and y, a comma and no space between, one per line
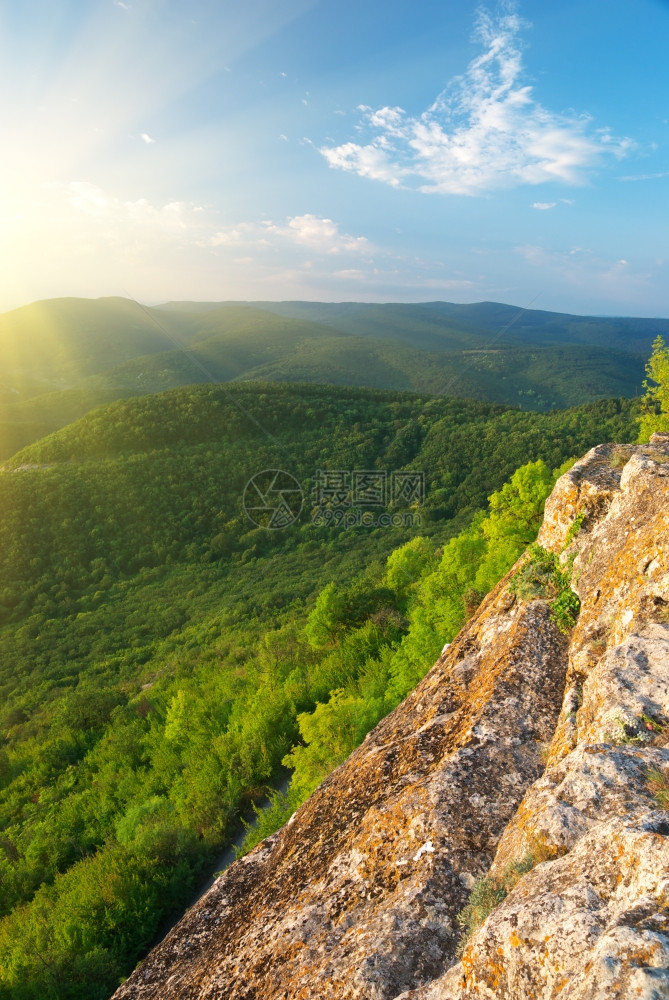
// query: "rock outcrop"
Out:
[525,756]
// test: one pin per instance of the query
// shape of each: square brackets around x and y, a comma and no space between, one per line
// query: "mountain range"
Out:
[62,357]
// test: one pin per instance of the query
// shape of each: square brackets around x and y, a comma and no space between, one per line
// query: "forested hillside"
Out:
[161,655]
[61,357]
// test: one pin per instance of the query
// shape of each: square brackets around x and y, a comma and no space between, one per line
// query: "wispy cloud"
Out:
[97,240]
[145,137]
[485,131]
[317,234]
[644,177]
[320,234]
[187,224]
[543,206]
[593,274]
[125,220]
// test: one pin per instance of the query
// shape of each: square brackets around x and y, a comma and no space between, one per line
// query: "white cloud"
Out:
[351,274]
[483,132]
[317,234]
[98,241]
[320,234]
[232,235]
[86,198]
[145,137]
[543,206]
[117,220]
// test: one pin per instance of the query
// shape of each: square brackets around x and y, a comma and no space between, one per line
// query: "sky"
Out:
[355,150]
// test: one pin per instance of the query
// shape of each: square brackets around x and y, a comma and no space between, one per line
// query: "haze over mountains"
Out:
[61,357]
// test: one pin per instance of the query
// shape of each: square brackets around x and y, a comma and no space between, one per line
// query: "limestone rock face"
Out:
[594,922]
[521,743]
[357,896]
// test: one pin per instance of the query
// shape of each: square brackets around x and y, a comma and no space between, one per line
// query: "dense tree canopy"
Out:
[161,655]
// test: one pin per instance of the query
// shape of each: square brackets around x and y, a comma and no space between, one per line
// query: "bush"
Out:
[541,577]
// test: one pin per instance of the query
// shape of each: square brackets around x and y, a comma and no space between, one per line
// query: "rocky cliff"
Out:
[527,776]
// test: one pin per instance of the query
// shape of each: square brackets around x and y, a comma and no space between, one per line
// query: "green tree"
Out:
[407,564]
[514,519]
[655,404]
[330,733]
[326,617]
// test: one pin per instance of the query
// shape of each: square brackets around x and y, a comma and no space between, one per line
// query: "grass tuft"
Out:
[658,786]
[488,892]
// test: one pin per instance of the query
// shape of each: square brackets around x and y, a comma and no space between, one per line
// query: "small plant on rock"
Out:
[489,891]
[651,724]
[541,576]
[574,528]
[536,577]
[619,459]
[629,734]
[658,786]
[565,609]
[640,729]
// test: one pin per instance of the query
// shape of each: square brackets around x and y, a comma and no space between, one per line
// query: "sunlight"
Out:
[98,138]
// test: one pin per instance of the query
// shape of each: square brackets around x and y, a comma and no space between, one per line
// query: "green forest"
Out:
[62,357]
[165,661]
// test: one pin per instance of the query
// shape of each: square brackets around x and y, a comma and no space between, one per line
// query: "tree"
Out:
[325,618]
[407,564]
[515,517]
[655,404]
[330,733]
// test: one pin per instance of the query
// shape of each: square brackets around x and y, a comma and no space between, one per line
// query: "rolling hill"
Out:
[61,357]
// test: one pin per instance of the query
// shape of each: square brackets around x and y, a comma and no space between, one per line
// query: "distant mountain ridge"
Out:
[61,357]
[517,324]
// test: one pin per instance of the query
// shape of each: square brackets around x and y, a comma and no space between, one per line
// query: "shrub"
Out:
[541,576]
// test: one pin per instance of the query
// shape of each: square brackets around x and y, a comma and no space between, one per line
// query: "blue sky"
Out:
[361,150]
